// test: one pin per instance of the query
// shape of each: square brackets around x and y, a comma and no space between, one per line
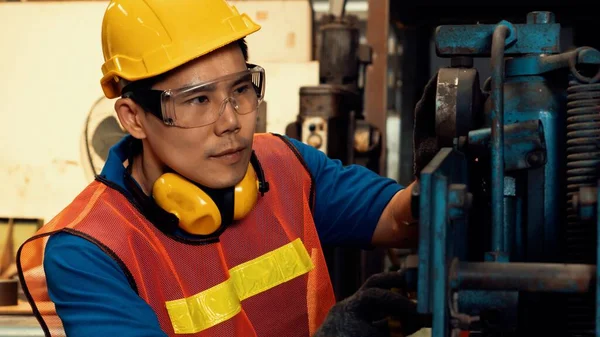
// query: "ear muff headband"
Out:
[263,184]
[196,210]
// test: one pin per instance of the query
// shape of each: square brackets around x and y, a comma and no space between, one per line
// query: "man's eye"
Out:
[242,89]
[199,100]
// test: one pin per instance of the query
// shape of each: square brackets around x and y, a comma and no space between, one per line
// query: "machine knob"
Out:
[315,141]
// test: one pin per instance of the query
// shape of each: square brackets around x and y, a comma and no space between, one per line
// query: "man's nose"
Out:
[228,117]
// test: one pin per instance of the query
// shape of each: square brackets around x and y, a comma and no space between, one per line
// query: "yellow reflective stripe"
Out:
[271,269]
[223,301]
[205,309]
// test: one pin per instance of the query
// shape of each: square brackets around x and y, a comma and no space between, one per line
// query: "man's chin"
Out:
[219,176]
[220,182]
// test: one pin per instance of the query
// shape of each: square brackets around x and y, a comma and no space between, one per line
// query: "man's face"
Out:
[215,155]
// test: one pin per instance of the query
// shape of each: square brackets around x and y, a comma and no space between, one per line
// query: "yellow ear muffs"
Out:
[197,212]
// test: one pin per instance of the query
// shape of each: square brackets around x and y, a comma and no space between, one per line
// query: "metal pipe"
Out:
[375,95]
[531,277]
[497,96]
[337,8]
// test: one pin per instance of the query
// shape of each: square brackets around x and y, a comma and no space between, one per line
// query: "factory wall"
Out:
[50,72]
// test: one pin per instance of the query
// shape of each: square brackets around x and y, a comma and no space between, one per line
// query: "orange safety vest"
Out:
[264,276]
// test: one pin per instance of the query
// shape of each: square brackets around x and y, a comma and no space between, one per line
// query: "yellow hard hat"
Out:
[145,38]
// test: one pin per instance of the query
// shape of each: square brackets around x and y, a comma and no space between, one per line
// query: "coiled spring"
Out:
[583,162]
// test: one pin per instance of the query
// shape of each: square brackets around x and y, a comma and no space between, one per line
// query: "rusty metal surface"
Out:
[445,106]
[497,308]
[363,141]
[367,145]
[457,102]
[339,59]
[535,64]
[530,277]
[326,101]
[524,114]
[476,39]
[500,34]
[524,145]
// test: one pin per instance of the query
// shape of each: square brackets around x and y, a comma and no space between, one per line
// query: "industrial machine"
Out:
[507,198]
[331,114]
[331,119]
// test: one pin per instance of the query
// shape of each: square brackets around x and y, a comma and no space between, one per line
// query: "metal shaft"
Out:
[337,8]
[531,277]
[497,96]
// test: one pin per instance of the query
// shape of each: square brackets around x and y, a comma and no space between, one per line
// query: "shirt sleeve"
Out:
[349,200]
[106,305]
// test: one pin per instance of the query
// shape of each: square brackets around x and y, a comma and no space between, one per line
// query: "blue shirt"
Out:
[93,297]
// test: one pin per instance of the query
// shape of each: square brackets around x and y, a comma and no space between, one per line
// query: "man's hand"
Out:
[366,312]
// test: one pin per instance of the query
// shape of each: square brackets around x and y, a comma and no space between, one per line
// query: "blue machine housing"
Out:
[507,207]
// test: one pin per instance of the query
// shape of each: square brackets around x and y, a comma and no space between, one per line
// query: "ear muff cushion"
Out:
[197,212]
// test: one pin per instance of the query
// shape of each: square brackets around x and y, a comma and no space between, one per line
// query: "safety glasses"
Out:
[203,103]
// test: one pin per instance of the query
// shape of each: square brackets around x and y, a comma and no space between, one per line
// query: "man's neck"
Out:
[145,170]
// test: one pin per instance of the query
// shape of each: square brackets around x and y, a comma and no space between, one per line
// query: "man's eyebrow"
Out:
[208,87]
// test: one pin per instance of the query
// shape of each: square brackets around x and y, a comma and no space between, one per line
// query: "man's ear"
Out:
[130,115]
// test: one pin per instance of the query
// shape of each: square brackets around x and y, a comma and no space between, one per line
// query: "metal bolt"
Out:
[536,158]
[460,200]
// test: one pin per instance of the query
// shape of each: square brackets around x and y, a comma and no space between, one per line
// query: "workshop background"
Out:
[57,127]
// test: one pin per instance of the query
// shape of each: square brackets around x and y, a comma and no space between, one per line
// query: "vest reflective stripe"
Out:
[223,301]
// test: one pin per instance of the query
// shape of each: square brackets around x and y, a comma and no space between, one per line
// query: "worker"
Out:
[196,225]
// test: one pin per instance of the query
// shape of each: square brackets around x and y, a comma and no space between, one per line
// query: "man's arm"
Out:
[356,206]
[396,227]
[91,293]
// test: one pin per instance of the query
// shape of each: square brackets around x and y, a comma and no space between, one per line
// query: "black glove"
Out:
[425,145]
[365,313]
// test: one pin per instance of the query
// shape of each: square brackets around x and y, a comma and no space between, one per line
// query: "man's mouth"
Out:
[228,152]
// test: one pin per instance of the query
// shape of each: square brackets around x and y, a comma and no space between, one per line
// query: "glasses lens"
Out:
[203,104]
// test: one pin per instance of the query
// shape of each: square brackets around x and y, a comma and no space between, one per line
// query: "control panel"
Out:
[314,133]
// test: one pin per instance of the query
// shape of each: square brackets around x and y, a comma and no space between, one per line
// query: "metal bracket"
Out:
[444,201]
[476,40]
